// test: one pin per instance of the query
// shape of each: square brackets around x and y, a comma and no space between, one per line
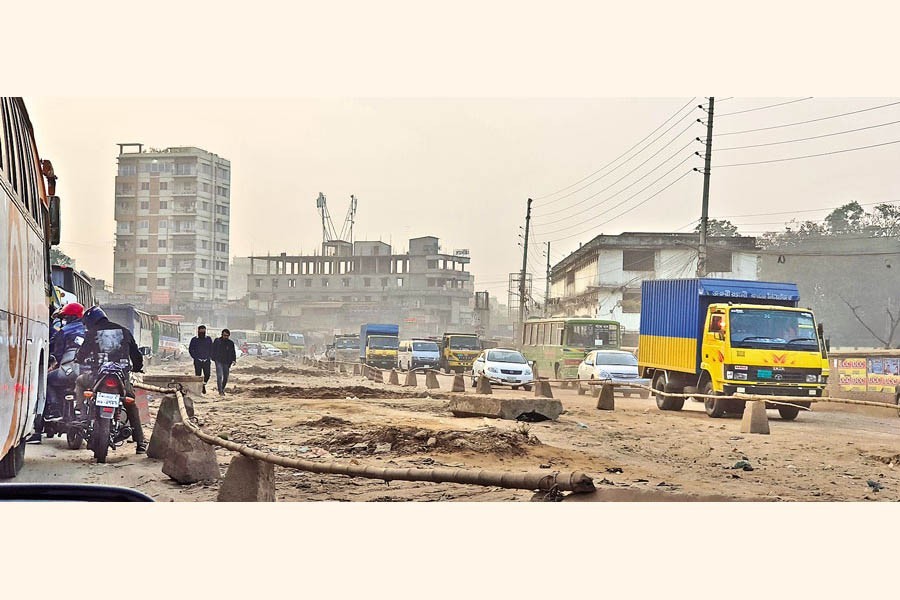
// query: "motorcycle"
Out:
[106,424]
[70,421]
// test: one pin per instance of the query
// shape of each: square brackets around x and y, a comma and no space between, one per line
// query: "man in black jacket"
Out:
[105,341]
[224,356]
[199,349]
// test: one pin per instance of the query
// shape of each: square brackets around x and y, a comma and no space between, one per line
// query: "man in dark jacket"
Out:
[105,341]
[225,356]
[200,349]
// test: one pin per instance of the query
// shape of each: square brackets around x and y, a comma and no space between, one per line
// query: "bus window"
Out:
[548,328]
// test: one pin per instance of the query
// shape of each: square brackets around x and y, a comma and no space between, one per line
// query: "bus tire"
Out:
[12,463]
[715,407]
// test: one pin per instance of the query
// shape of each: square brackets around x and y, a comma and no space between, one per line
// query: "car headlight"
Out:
[729,374]
[740,376]
[603,374]
[493,370]
[812,378]
[527,371]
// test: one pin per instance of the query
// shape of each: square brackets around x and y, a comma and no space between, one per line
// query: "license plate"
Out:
[511,380]
[764,374]
[103,399]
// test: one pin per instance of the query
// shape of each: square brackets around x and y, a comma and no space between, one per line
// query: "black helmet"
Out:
[92,316]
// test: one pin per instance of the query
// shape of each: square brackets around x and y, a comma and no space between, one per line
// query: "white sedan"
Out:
[503,366]
[270,350]
[616,366]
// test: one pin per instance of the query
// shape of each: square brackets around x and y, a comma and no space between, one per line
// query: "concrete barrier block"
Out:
[431,381]
[411,380]
[459,383]
[377,375]
[248,480]
[484,386]
[356,369]
[190,459]
[394,378]
[606,400]
[504,408]
[167,416]
[542,389]
[755,419]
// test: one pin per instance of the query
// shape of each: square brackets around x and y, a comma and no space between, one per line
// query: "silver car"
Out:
[616,366]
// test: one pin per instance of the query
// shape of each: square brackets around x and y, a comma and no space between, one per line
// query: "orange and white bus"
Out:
[29,224]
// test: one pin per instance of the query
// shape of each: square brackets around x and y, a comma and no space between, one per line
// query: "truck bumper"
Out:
[770,390]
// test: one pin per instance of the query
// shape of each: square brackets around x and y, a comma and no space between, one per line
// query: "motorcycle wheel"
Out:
[100,438]
[74,439]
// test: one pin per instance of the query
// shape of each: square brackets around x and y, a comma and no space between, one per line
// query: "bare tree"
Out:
[892,328]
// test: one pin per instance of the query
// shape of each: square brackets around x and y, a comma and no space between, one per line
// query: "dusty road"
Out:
[827,454]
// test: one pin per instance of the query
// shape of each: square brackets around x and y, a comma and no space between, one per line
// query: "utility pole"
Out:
[547,288]
[704,215]
[524,267]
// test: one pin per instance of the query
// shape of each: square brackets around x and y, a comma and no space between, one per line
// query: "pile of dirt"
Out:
[278,370]
[324,393]
[410,440]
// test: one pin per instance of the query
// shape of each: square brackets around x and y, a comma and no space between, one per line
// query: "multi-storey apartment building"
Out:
[172,224]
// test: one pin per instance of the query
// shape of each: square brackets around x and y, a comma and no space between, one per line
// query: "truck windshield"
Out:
[592,335]
[345,343]
[766,328]
[381,342]
[465,342]
[425,347]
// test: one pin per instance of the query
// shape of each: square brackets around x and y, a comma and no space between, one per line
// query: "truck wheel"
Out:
[715,407]
[13,461]
[788,413]
[662,402]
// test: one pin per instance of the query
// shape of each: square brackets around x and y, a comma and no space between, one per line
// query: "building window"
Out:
[220,285]
[127,169]
[142,281]
[719,261]
[204,187]
[368,298]
[274,283]
[204,244]
[123,263]
[143,224]
[145,186]
[161,244]
[345,282]
[163,205]
[145,205]
[221,173]
[307,283]
[399,282]
[432,264]
[324,282]
[142,243]
[163,185]
[638,260]
[222,191]
[259,283]
[203,263]
[161,263]
[123,227]
[292,283]
[221,247]
[142,262]
[367,281]
[631,302]
[201,282]
[160,281]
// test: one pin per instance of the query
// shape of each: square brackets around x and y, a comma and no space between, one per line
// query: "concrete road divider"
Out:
[505,408]
[755,419]
[167,417]
[411,380]
[393,378]
[606,400]
[459,383]
[377,375]
[542,389]
[431,381]
[356,369]
[190,459]
[248,480]
[484,385]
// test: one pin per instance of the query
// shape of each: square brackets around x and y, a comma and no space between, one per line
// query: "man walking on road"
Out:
[200,349]
[224,355]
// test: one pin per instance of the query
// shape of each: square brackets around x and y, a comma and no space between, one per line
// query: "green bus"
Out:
[558,345]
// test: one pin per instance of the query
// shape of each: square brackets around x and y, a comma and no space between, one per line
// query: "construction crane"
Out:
[328,231]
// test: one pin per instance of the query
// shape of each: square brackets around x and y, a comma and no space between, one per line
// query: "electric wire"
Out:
[814,137]
[854,112]
[775,160]
[737,112]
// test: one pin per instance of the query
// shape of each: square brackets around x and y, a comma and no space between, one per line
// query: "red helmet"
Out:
[72,309]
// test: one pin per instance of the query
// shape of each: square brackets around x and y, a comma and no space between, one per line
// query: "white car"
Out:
[269,350]
[503,366]
[616,366]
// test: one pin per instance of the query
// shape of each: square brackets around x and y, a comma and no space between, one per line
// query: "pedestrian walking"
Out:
[200,349]
[225,357]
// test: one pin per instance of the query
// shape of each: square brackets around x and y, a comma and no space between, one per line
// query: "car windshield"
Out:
[769,328]
[506,356]
[592,335]
[425,346]
[616,358]
[380,342]
[345,343]
[464,342]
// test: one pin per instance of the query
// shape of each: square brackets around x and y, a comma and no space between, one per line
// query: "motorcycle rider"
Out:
[60,380]
[106,341]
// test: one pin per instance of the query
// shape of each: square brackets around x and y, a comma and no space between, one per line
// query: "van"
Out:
[418,354]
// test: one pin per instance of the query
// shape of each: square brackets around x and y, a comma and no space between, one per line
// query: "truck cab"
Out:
[459,351]
[378,345]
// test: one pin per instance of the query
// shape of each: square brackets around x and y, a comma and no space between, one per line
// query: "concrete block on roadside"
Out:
[190,459]
[504,408]
[394,378]
[484,386]
[248,480]
[755,419]
[167,416]
[459,383]
[606,400]
[431,381]
[542,389]
[377,375]
[411,380]
[356,369]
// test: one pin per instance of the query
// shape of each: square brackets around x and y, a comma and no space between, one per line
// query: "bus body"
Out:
[297,343]
[166,338]
[74,285]
[279,339]
[241,337]
[29,225]
[558,345]
[138,322]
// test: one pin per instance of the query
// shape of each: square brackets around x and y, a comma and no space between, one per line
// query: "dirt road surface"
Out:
[831,453]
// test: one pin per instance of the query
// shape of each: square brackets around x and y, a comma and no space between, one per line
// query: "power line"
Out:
[815,137]
[774,160]
[790,212]
[809,121]
[737,112]
[618,157]
[642,177]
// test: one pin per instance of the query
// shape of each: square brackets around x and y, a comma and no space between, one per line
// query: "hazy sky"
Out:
[462,169]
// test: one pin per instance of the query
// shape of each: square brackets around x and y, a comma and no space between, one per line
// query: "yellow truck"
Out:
[723,336]
[459,351]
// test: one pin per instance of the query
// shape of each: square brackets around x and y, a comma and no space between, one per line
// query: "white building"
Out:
[603,278]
